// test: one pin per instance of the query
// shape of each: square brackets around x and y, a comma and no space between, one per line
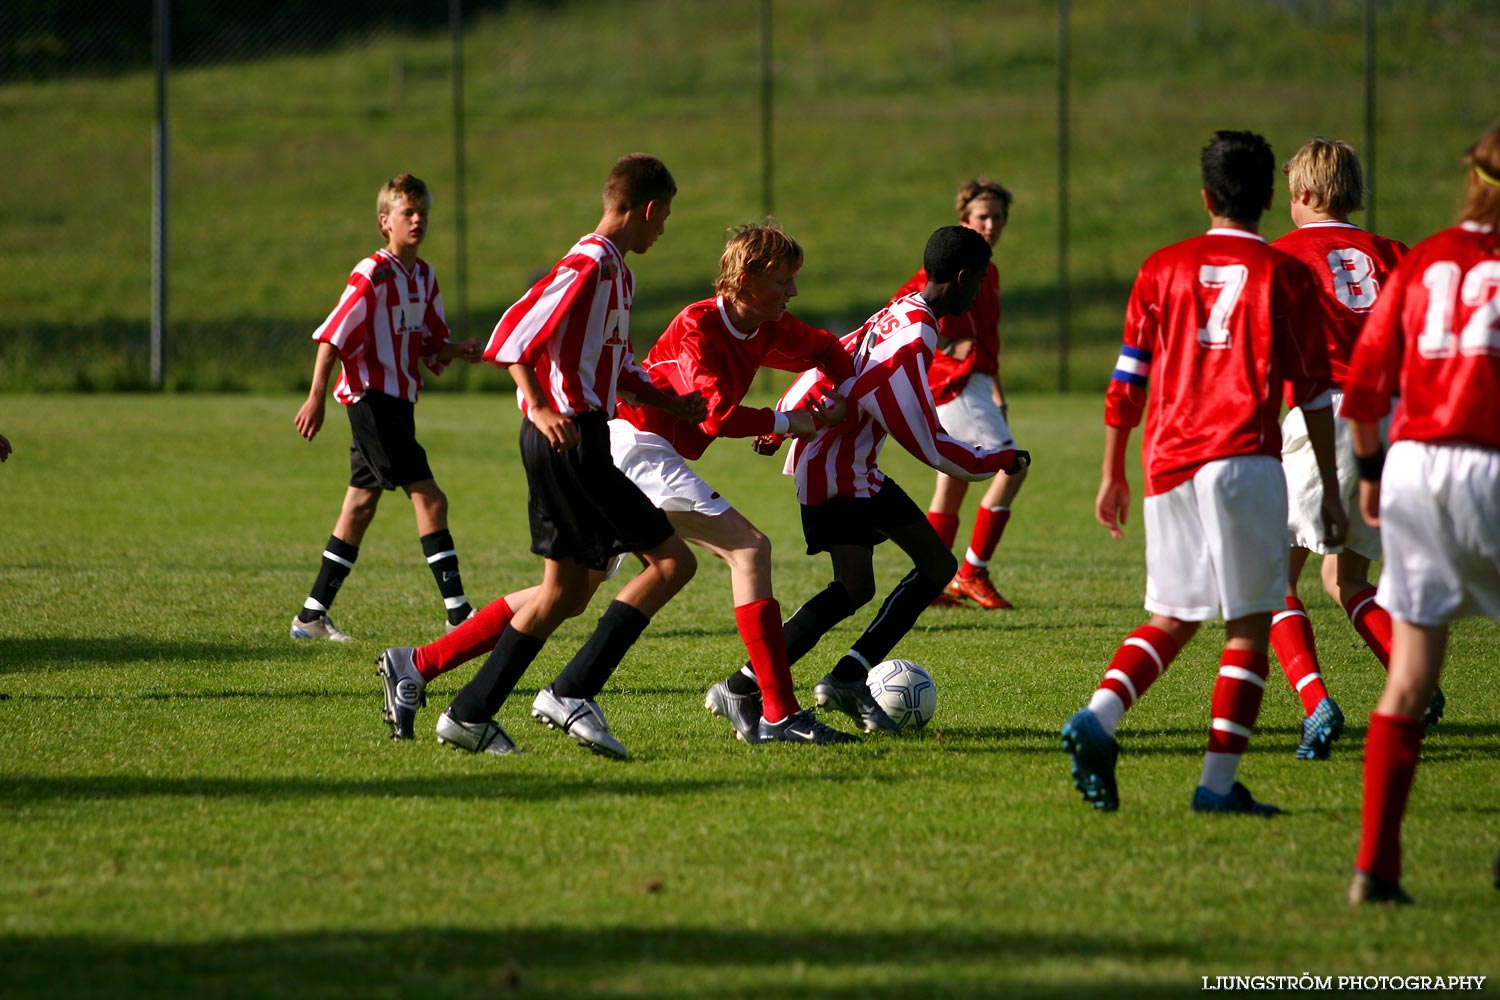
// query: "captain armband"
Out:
[1370,466]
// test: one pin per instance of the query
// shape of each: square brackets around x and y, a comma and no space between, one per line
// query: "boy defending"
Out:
[567,345]
[965,382]
[716,347]
[389,319]
[1350,266]
[1213,326]
[848,504]
[1436,497]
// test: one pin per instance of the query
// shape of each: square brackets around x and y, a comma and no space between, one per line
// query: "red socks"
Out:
[946,525]
[1292,639]
[1373,623]
[1393,745]
[1236,700]
[1140,660]
[761,630]
[477,635]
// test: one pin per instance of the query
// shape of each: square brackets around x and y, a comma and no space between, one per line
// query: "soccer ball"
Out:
[905,690]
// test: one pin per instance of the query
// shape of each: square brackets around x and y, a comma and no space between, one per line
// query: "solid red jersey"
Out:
[890,396]
[702,351]
[981,324]
[1213,325]
[387,320]
[573,327]
[1351,266]
[1434,340]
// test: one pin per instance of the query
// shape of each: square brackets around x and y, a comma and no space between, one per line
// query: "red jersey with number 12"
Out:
[1213,325]
[1434,340]
[573,328]
[387,321]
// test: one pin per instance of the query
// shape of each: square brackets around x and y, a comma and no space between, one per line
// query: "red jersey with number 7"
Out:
[1213,326]
[1352,266]
[387,321]
[573,328]
[1434,340]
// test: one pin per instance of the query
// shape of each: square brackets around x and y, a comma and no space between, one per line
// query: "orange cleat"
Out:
[980,590]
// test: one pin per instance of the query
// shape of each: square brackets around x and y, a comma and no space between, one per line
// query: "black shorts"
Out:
[385,453]
[581,507]
[862,521]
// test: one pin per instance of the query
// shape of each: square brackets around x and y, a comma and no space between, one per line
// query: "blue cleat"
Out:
[1236,800]
[1435,708]
[1319,730]
[1094,755]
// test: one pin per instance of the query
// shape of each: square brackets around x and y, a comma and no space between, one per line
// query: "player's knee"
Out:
[861,590]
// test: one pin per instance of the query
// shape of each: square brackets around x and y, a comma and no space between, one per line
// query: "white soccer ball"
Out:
[905,690]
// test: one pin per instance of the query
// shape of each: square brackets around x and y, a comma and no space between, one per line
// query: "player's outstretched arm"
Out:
[1112,504]
[470,350]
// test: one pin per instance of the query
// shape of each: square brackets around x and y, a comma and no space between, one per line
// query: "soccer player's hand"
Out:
[802,422]
[766,444]
[957,349]
[691,407]
[1335,520]
[1020,461]
[470,350]
[1113,504]
[309,417]
[5,448]
[560,431]
[831,411]
[1369,502]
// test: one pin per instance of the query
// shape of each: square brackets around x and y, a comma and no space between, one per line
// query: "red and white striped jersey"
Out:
[1351,266]
[387,320]
[981,324]
[890,396]
[1434,340]
[573,328]
[702,351]
[1217,322]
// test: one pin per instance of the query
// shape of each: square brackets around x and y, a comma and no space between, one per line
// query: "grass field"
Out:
[191,805]
[881,109]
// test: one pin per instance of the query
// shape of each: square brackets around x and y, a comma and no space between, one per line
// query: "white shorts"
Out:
[1217,543]
[974,417]
[1440,520]
[1304,486]
[651,462]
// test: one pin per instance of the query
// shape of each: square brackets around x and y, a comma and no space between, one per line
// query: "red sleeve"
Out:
[347,328]
[1375,367]
[564,296]
[1304,314]
[799,346]
[1125,399]
[726,417]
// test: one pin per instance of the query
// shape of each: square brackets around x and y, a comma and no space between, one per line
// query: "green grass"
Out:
[192,805]
[882,107]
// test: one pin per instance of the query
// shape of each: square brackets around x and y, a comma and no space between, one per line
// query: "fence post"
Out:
[765,106]
[1063,304]
[159,198]
[460,202]
[1369,156]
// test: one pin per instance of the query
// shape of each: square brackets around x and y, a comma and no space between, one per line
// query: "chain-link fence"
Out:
[284,118]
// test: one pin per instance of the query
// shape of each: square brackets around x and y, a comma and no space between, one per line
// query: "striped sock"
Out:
[338,561]
[946,525]
[442,559]
[989,525]
[1292,639]
[1141,659]
[1236,705]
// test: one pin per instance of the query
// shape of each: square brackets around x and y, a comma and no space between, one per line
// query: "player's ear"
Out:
[1208,202]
